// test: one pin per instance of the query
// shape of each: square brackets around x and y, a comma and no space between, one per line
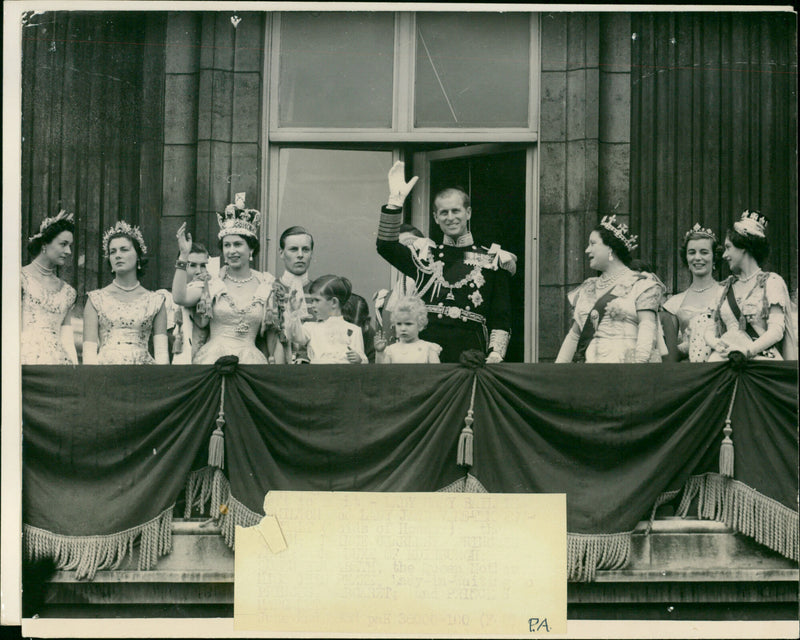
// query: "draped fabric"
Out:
[107,450]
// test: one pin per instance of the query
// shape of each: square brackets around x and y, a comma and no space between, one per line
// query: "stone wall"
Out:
[212,123]
[584,151]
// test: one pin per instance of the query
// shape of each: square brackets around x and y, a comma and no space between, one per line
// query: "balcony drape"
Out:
[107,450]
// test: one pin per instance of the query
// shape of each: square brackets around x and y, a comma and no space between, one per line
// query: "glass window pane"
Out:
[336,69]
[472,70]
[337,196]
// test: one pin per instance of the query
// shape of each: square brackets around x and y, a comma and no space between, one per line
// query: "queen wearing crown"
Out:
[687,315]
[46,336]
[615,314]
[119,319]
[238,300]
[753,313]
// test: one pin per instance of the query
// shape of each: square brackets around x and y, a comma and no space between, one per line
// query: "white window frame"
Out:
[402,129]
[402,132]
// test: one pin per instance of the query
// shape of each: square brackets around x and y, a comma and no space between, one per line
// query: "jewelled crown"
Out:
[620,231]
[752,223]
[697,230]
[122,228]
[62,215]
[237,220]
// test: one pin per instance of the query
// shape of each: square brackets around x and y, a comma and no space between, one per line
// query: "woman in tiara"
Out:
[615,315]
[753,313]
[46,336]
[119,319]
[238,301]
[686,315]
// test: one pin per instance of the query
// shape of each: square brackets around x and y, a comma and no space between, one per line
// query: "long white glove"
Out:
[398,187]
[161,348]
[772,335]
[68,340]
[569,345]
[646,337]
[89,353]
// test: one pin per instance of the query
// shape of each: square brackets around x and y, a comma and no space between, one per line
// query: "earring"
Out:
[251,258]
[610,257]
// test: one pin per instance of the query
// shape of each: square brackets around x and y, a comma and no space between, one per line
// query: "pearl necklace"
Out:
[43,270]
[750,277]
[604,282]
[239,283]
[119,286]
[701,290]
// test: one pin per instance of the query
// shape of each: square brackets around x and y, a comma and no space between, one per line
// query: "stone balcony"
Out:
[682,569]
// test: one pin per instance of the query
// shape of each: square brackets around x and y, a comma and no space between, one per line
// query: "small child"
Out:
[409,317]
[357,311]
[331,339]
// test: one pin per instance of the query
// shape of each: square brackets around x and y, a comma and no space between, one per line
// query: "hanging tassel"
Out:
[216,446]
[464,456]
[726,448]
[464,452]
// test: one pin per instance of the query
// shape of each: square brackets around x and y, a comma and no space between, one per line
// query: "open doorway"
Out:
[495,176]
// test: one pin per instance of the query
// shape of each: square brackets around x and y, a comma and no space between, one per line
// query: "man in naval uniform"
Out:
[465,286]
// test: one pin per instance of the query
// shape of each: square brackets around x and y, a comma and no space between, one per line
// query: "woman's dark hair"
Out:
[637,264]
[756,246]
[48,235]
[141,258]
[615,244]
[331,286]
[716,249]
[251,241]
[356,311]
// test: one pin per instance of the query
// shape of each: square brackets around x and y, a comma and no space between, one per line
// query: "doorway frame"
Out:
[420,218]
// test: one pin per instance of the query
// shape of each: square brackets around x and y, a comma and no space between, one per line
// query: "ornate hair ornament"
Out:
[237,220]
[62,215]
[697,230]
[620,231]
[752,223]
[122,228]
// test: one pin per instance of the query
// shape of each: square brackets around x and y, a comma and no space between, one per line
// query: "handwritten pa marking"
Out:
[535,625]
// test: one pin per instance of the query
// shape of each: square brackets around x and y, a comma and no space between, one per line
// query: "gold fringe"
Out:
[745,510]
[206,487]
[87,555]
[586,553]
[237,515]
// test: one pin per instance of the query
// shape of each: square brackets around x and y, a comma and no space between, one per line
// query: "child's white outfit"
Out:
[417,352]
[328,340]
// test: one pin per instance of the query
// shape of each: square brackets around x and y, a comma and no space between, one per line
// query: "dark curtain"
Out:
[92,103]
[106,448]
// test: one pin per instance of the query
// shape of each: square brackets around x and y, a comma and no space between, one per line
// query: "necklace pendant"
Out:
[242,328]
[450,296]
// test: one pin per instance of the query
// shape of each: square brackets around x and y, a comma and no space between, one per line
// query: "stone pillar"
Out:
[212,119]
[568,164]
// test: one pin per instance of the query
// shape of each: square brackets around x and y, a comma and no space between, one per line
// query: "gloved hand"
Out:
[398,187]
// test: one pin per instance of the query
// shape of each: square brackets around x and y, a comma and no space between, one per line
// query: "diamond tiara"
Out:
[620,231]
[751,223]
[122,228]
[62,215]
[697,230]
